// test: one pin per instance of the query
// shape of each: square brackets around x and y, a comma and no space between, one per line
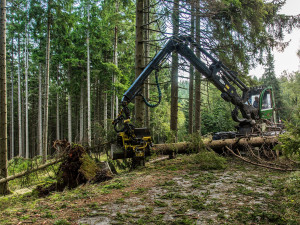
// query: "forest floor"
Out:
[177,191]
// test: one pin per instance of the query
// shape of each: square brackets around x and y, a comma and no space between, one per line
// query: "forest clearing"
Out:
[191,189]
[148,112]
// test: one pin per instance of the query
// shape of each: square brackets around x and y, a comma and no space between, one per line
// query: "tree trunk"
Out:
[69,110]
[191,84]
[26,96]
[57,117]
[185,147]
[19,101]
[3,100]
[12,131]
[57,107]
[198,75]
[46,110]
[139,65]
[81,114]
[88,85]
[105,111]
[174,74]
[146,59]
[40,134]
[114,98]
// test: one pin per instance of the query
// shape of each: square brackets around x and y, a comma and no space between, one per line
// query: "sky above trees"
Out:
[286,60]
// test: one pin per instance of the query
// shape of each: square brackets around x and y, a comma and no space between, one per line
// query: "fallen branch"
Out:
[159,159]
[3,180]
[257,164]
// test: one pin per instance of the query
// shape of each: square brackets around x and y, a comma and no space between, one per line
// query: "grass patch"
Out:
[205,160]
[160,203]
[173,195]
[203,179]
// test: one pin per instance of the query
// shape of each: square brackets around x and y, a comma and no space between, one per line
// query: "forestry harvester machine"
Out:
[256,104]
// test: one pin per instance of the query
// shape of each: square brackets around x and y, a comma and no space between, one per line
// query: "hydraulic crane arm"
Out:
[216,73]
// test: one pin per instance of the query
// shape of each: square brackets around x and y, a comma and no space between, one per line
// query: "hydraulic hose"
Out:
[159,95]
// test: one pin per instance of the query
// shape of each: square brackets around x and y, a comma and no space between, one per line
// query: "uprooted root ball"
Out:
[76,168]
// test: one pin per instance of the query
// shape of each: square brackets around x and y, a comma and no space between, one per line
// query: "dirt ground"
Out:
[167,192]
[239,194]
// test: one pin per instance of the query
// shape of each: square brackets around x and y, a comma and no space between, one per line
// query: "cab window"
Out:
[266,100]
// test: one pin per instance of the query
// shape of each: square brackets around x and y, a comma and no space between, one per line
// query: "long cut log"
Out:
[185,147]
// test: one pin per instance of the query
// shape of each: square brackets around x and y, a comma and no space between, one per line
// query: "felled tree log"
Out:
[186,147]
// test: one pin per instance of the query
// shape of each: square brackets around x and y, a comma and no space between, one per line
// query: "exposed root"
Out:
[77,168]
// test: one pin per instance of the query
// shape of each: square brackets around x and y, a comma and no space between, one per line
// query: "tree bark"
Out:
[12,131]
[19,101]
[105,111]
[88,84]
[147,54]
[174,74]
[69,109]
[139,65]
[185,147]
[81,114]
[198,75]
[46,109]
[40,130]
[3,100]
[191,84]
[57,107]
[26,96]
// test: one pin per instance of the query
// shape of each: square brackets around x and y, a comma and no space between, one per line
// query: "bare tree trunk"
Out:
[81,114]
[40,134]
[146,59]
[57,107]
[57,117]
[88,85]
[191,84]
[23,124]
[139,64]
[69,110]
[3,100]
[26,96]
[46,110]
[115,61]
[105,111]
[114,98]
[19,101]
[117,105]
[112,103]
[198,75]
[174,74]
[12,131]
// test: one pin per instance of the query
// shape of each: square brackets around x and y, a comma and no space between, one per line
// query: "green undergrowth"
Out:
[40,177]
[206,160]
[292,192]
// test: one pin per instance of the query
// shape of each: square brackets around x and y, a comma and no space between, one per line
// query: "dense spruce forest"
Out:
[69,63]
[65,65]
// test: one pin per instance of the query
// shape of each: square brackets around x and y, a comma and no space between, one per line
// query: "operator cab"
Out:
[263,99]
